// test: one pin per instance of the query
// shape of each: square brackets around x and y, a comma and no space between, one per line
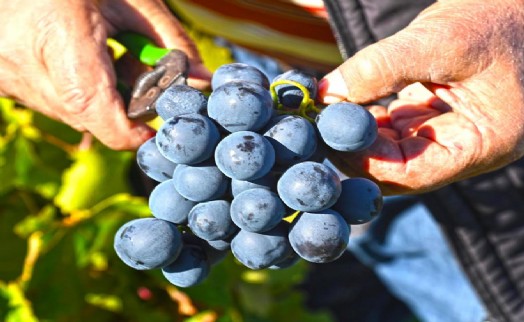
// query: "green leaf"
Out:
[132,206]
[57,288]
[42,221]
[107,302]
[22,167]
[8,159]
[203,316]
[12,247]
[18,307]
[60,133]
[96,174]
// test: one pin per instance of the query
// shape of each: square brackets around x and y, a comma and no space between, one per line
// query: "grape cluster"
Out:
[238,172]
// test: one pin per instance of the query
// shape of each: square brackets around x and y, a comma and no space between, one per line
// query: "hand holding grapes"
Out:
[469,56]
[54,58]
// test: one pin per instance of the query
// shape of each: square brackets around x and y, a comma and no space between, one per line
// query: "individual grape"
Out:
[238,72]
[152,163]
[211,220]
[347,127]
[200,182]
[180,99]
[215,251]
[360,201]
[215,256]
[261,250]
[240,106]
[309,186]
[291,96]
[269,182]
[189,269]
[167,204]
[293,138]
[244,155]
[257,210]
[220,244]
[320,237]
[289,261]
[187,139]
[148,243]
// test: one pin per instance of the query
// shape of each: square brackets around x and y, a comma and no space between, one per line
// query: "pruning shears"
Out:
[171,67]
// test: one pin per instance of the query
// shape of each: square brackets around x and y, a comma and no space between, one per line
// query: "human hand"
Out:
[54,59]
[469,54]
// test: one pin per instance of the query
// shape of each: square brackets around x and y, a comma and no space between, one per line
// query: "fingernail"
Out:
[145,132]
[332,88]
[331,99]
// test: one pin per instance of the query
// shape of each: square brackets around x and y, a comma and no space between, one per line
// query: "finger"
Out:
[416,92]
[381,115]
[199,77]
[407,116]
[84,81]
[128,68]
[377,71]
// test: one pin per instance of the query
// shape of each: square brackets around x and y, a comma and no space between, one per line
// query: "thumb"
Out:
[436,47]
[377,71]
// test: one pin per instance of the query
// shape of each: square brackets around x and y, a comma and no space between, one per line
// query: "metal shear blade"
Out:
[170,70]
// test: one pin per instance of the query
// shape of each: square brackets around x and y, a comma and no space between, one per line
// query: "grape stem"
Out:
[307,105]
[142,47]
[293,216]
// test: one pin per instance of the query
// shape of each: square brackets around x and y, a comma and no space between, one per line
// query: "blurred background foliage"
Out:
[62,198]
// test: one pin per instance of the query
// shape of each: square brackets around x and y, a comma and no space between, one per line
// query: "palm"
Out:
[420,140]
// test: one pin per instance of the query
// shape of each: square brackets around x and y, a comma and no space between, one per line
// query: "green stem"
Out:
[306,105]
[142,47]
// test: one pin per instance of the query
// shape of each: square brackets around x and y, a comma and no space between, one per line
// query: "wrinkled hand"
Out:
[54,58]
[469,54]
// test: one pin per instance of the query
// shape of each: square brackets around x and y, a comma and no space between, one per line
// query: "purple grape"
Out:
[261,250]
[167,204]
[148,243]
[200,182]
[257,210]
[180,99]
[240,106]
[360,201]
[347,127]
[244,155]
[291,96]
[309,186]
[189,269]
[220,244]
[319,237]
[269,182]
[289,261]
[211,220]
[215,251]
[293,138]
[187,139]
[153,163]
[238,72]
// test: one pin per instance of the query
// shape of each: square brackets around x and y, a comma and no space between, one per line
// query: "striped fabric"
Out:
[294,31]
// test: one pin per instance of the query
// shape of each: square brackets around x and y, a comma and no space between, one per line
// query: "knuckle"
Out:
[373,72]
[368,66]
[48,31]
[78,100]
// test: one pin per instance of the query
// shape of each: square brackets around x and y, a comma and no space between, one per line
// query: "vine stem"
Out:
[307,105]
